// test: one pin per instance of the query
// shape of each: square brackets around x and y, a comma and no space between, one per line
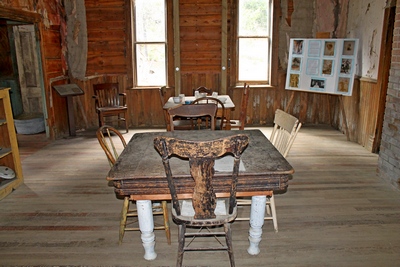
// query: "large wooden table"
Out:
[139,173]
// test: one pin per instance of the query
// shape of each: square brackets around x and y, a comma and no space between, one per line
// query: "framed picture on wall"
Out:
[296,64]
[317,84]
[348,48]
[346,66]
[297,47]
[327,67]
[343,85]
[329,48]
[294,80]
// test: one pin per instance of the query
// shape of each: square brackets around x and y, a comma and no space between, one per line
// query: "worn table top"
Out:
[139,169]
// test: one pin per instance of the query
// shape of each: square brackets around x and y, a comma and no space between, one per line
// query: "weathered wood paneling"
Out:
[6,69]
[200,40]
[107,37]
[369,106]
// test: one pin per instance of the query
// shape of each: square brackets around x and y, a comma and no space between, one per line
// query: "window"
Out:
[149,40]
[253,40]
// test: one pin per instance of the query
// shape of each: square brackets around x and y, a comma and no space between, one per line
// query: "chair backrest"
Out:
[107,95]
[193,111]
[221,108]
[162,92]
[202,155]
[285,131]
[107,135]
[203,89]
[243,106]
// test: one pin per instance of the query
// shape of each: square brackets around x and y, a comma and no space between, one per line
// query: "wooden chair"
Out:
[162,92]
[243,109]
[112,141]
[219,118]
[282,137]
[204,210]
[203,89]
[190,114]
[109,102]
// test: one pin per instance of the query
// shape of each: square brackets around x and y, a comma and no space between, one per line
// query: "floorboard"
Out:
[336,212]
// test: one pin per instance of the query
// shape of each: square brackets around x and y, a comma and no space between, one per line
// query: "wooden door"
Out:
[200,41]
[28,68]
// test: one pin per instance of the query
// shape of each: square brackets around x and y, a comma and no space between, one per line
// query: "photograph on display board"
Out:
[327,67]
[346,66]
[314,48]
[296,64]
[348,48]
[329,48]
[343,85]
[294,80]
[297,47]
[312,66]
[317,84]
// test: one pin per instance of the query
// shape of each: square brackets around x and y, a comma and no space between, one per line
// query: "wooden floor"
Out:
[337,212]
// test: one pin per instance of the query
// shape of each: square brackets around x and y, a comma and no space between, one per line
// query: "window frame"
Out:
[273,48]
[132,76]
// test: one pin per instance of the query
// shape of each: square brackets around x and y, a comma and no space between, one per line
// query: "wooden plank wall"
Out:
[52,66]
[200,42]
[369,106]
[107,37]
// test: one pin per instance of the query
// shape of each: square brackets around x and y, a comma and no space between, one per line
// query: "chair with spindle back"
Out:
[219,118]
[243,109]
[282,137]
[112,142]
[204,209]
[109,102]
[192,113]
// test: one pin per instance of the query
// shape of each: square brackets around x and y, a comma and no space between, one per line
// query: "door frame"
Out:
[27,17]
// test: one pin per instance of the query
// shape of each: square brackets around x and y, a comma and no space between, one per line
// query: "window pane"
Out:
[150,20]
[253,17]
[151,65]
[253,59]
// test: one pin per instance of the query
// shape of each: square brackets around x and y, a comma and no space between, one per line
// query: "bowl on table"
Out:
[177,99]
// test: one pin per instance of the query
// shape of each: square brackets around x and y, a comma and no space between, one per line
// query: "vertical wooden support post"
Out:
[177,47]
[224,46]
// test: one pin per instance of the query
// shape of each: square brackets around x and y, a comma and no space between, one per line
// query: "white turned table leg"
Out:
[257,213]
[146,225]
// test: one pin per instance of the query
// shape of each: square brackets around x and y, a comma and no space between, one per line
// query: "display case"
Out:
[9,153]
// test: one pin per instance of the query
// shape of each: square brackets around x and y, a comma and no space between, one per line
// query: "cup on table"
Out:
[215,94]
[177,99]
[182,96]
[196,94]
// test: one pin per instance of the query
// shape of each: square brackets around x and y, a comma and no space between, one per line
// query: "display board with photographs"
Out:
[322,65]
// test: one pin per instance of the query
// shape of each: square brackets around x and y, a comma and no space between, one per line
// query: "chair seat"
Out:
[113,108]
[222,215]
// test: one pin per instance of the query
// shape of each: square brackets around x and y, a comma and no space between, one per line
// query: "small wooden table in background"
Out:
[229,106]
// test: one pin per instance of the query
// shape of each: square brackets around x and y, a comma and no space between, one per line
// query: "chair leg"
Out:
[126,123]
[122,223]
[166,222]
[228,238]
[273,212]
[181,244]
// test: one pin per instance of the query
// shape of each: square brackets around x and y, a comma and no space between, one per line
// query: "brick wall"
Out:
[389,156]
